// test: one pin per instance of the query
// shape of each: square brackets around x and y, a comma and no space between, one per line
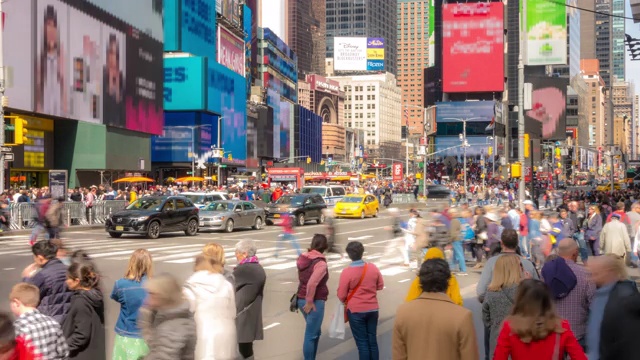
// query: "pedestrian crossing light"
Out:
[308,160]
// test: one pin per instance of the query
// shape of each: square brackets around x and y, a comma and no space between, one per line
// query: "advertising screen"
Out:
[184,83]
[545,24]
[472,111]
[145,15]
[473,39]
[549,106]
[358,54]
[286,117]
[432,32]
[450,146]
[84,64]
[231,51]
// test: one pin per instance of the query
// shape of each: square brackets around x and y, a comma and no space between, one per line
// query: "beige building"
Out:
[334,141]
[636,127]
[304,94]
[413,57]
[593,135]
[622,98]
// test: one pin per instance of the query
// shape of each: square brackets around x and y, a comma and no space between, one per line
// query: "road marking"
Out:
[287,265]
[404,280]
[359,237]
[102,255]
[271,326]
[467,290]
[392,271]
[7,269]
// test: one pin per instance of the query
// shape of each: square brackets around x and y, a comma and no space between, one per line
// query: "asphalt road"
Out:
[284,330]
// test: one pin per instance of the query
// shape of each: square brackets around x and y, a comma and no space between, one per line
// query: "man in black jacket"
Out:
[49,274]
[614,318]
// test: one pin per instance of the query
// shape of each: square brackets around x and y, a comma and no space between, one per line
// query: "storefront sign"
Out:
[397,172]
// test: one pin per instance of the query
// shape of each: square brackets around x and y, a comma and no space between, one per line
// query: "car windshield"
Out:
[352,199]
[196,199]
[218,206]
[146,204]
[291,200]
[310,190]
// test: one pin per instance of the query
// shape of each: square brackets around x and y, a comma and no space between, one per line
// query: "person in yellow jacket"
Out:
[454,289]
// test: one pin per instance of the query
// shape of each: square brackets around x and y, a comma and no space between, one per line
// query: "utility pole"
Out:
[521,190]
[464,152]
[2,85]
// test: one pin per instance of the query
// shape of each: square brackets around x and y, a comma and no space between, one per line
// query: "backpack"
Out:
[559,277]
[467,231]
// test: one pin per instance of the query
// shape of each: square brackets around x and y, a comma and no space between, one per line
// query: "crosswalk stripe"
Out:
[102,255]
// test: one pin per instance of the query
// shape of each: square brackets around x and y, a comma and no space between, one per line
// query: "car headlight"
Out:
[218,218]
[292,210]
[142,218]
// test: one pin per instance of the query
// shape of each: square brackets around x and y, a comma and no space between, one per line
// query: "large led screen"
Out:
[471,111]
[75,60]
[549,106]
[358,54]
[473,43]
[546,32]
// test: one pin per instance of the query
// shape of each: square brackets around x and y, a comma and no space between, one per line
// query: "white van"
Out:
[330,193]
[201,199]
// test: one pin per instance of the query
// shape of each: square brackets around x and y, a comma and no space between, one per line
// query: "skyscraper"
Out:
[413,57]
[587,29]
[617,39]
[603,39]
[366,18]
[306,34]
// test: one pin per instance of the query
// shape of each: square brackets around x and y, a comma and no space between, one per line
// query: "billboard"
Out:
[430,121]
[190,26]
[474,111]
[231,51]
[549,106]
[144,15]
[229,9]
[184,81]
[473,39]
[432,33]
[320,83]
[545,24]
[83,63]
[397,172]
[358,54]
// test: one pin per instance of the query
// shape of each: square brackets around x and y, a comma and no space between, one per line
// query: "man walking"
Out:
[614,238]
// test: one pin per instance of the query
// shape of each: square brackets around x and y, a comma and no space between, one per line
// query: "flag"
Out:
[492,124]
[406,117]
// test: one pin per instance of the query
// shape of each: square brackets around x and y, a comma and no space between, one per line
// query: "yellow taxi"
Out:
[357,206]
[607,187]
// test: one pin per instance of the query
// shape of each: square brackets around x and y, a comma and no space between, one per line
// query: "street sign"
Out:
[8,157]
[5,149]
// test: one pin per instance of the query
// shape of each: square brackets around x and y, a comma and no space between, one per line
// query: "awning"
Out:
[134,179]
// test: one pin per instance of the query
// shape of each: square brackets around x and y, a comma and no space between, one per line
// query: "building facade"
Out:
[371,18]
[622,99]
[306,34]
[413,57]
[587,29]
[373,104]
[603,39]
[593,135]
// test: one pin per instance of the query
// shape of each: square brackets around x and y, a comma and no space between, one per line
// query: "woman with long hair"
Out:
[212,301]
[501,295]
[534,330]
[50,89]
[129,292]
[215,252]
[84,325]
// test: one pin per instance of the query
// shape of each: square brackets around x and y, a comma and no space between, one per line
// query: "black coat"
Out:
[55,297]
[84,326]
[621,323]
[250,280]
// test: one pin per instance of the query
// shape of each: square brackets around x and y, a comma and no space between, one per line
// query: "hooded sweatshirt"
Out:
[83,327]
[212,300]
[454,289]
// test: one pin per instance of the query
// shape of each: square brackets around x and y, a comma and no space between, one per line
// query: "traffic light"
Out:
[308,160]
[20,132]
[516,170]
[527,148]
[229,157]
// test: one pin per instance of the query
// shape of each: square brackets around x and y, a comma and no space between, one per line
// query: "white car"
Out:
[201,199]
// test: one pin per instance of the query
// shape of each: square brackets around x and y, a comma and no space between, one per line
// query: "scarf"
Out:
[249,260]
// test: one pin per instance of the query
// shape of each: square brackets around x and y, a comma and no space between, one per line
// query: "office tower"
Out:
[306,34]
[587,29]
[364,18]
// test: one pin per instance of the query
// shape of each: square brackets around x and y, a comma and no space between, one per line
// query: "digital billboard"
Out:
[358,54]
[190,26]
[231,51]
[230,9]
[184,82]
[549,106]
[545,24]
[432,32]
[472,111]
[83,63]
[144,15]
[473,43]
[450,146]
[184,131]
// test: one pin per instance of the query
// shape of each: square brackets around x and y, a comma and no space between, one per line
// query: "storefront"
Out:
[286,176]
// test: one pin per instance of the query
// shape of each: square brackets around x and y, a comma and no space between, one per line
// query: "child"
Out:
[84,325]
[43,332]
[14,347]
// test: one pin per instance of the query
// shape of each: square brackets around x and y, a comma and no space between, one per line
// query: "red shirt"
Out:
[510,344]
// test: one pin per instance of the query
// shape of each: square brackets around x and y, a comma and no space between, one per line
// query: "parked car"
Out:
[201,199]
[231,214]
[153,215]
[357,206]
[304,207]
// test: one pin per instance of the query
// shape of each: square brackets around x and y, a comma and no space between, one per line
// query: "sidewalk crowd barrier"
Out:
[23,215]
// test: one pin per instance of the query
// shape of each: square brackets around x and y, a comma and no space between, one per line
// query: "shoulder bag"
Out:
[353,292]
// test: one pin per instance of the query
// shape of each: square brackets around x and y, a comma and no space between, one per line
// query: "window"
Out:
[249,206]
[180,204]
[371,97]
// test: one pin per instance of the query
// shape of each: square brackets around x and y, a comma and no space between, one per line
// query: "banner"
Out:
[432,33]
[397,172]
[549,106]
[231,51]
[358,54]
[545,24]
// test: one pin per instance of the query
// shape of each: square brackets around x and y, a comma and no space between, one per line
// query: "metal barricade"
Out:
[74,213]
[403,198]
[23,215]
[103,209]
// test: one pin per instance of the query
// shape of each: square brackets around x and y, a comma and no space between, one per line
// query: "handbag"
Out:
[353,292]
[337,327]
[293,303]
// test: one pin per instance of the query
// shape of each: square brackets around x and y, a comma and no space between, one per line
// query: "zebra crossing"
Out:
[173,251]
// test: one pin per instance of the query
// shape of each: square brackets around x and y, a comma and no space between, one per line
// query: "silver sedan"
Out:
[231,214]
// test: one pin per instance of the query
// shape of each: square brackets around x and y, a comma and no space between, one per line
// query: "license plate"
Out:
[119,228]
[276,215]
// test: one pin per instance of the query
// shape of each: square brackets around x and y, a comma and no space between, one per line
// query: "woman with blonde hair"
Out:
[129,292]
[534,330]
[501,295]
[453,290]
[216,252]
[166,322]
[212,301]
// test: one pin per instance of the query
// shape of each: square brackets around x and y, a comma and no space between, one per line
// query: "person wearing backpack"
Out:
[571,287]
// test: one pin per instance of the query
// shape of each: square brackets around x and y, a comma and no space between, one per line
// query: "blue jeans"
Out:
[524,245]
[290,238]
[458,255]
[582,245]
[364,329]
[312,330]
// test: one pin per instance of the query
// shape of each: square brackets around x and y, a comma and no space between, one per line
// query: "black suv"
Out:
[303,206]
[153,215]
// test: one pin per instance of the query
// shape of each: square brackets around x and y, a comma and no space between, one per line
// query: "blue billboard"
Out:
[227,96]
[190,26]
[184,83]
[451,146]
[472,111]
[184,131]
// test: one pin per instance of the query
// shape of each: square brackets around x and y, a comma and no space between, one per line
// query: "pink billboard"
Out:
[230,51]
